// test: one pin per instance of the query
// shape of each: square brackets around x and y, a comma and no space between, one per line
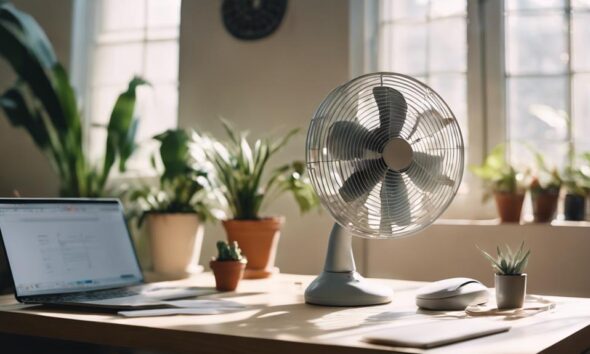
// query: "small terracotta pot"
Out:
[227,274]
[258,240]
[176,240]
[510,290]
[544,205]
[509,206]
[574,207]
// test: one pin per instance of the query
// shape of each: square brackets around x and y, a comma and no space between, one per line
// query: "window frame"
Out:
[84,42]
[364,23]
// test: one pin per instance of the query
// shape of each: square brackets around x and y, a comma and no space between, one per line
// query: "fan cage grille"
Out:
[431,129]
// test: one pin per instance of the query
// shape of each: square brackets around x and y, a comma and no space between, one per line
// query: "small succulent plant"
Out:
[508,262]
[229,252]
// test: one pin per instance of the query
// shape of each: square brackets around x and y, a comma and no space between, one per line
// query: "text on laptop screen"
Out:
[58,248]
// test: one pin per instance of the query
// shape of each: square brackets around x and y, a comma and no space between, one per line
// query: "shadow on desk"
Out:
[14,344]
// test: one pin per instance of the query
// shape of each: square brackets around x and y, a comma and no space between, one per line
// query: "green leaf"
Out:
[120,143]
[22,57]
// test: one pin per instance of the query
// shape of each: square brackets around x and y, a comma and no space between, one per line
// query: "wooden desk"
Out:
[278,321]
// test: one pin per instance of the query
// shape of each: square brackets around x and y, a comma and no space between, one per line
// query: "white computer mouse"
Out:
[452,294]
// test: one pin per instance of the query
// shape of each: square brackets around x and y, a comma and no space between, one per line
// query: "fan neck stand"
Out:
[340,284]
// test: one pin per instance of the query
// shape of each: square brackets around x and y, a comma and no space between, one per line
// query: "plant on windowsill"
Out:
[502,181]
[228,266]
[510,279]
[43,102]
[240,176]
[174,210]
[577,185]
[544,187]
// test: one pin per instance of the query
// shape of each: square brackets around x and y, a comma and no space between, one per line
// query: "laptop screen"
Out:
[67,246]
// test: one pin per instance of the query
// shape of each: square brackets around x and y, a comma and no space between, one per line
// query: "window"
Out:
[513,70]
[427,40]
[114,41]
[547,77]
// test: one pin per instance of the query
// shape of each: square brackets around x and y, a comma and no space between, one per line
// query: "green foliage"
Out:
[577,179]
[227,252]
[183,183]
[497,174]
[43,102]
[507,262]
[240,169]
[546,179]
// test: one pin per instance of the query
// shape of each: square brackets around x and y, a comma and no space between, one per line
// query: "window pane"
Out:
[448,45]
[115,64]
[554,153]
[409,49]
[581,41]
[580,4]
[117,15]
[533,4]
[447,7]
[403,9]
[581,109]
[103,100]
[536,109]
[452,88]
[536,44]
[157,108]
[163,13]
[162,62]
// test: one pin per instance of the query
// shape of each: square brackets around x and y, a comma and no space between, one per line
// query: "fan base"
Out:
[346,289]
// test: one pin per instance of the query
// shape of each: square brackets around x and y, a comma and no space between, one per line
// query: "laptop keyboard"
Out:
[87,296]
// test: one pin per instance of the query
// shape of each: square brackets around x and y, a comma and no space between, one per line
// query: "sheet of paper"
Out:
[188,307]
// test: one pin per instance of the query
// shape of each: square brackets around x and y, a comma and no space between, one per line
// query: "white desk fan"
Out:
[385,156]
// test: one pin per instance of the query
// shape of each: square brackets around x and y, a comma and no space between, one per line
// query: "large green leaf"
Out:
[23,58]
[174,152]
[21,114]
[120,143]
[36,37]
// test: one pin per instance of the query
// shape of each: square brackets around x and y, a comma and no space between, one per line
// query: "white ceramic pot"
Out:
[510,290]
[175,242]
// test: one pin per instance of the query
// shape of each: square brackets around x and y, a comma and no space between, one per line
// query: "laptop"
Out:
[77,252]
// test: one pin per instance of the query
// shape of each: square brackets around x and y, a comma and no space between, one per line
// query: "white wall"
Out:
[22,166]
[269,85]
[558,264]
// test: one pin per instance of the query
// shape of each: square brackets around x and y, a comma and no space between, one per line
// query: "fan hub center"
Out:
[398,154]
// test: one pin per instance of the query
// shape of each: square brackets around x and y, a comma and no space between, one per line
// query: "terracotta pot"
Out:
[544,205]
[509,206]
[176,240]
[227,274]
[258,240]
[510,290]
[574,207]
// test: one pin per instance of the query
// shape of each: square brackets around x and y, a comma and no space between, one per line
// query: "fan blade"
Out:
[347,140]
[428,167]
[433,119]
[392,109]
[363,180]
[395,206]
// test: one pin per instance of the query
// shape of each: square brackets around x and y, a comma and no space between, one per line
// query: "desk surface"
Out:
[278,321]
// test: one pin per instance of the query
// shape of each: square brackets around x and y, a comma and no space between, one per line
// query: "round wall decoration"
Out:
[252,19]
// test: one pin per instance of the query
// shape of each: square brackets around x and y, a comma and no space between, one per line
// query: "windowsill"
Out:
[496,222]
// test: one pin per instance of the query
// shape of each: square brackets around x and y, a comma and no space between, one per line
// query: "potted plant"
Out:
[577,184]
[228,266]
[43,102]
[174,210]
[503,182]
[510,281]
[245,189]
[544,188]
